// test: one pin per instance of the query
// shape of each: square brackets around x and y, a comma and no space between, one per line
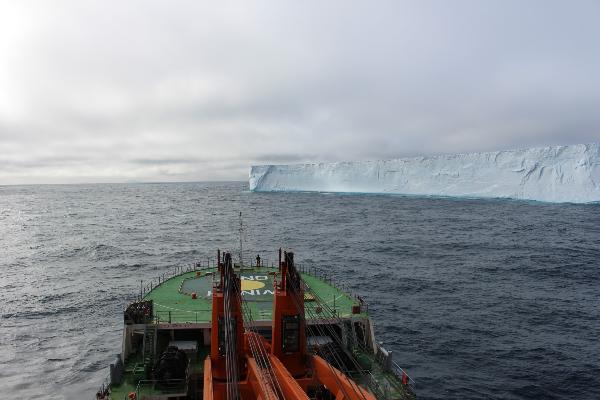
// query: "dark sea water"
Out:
[476,298]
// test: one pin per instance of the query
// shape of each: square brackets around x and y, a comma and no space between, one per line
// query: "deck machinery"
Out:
[233,347]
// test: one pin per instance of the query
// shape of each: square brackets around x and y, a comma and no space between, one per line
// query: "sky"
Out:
[141,91]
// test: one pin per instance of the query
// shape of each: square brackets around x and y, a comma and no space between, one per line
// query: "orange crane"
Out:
[244,365]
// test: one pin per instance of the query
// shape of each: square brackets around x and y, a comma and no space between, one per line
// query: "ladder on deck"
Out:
[149,343]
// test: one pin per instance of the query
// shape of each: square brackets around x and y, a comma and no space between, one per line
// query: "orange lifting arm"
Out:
[256,378]
[335,379]
[291,389]
[208,382]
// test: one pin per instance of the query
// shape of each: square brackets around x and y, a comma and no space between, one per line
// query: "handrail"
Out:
[329,280]
[182,269]
[202,266]
[398,369]
[171,273]
[103,391]
[384,359]
[169,316]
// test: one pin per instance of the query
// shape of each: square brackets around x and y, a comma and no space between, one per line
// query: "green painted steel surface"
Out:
[173,300]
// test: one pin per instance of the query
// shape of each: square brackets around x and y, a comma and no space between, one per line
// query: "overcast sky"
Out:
[118,91]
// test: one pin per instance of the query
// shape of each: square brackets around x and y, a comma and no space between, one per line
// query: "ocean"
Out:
[476,298]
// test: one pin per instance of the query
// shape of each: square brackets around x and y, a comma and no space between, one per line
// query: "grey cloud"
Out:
[160,161]
[150,91]
[286,157]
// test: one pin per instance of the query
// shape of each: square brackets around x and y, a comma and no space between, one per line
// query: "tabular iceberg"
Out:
[551,174]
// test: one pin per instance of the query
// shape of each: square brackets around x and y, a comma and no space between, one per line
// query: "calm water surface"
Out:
[476,298]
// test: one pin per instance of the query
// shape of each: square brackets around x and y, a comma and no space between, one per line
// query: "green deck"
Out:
[173,302]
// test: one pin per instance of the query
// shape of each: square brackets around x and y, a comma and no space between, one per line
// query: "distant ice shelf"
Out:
[550,174]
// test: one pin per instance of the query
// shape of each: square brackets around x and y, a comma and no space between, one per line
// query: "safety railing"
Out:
[165,387]
[384,359]
[330,280]
[404,377]
[189,316]
[210,264]
[103,392]
[149,285]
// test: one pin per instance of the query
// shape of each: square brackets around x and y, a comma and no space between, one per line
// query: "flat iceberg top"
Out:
[552,174]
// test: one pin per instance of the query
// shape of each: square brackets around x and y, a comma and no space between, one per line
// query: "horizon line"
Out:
[118,183]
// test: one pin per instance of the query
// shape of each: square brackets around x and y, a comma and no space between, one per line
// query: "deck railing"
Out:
[401,373]
[164,387]
[104,390]
[147,286]
[180,316]
[329,279]
[384,359]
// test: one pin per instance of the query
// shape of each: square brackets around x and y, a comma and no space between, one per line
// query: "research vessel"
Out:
[223,330]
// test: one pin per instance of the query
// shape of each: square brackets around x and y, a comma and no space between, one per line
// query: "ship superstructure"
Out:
[229,331]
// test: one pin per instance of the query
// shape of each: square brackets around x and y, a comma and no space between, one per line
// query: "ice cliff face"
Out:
[552,174]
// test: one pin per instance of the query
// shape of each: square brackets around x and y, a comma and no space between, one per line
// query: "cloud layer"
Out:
[171,91]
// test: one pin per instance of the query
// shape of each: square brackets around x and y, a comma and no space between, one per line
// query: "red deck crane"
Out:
[243,365]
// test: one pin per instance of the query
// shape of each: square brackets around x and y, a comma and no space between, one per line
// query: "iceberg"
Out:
[550,174]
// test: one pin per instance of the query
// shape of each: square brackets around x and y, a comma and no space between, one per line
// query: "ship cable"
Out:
[327,330]
[231,364]
[295,286]
[261,356]
[375,386]
[260,353]
[372,383]
[295,282]
[258,349]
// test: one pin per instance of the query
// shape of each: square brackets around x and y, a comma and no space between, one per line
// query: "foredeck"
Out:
[182,311]
[174,302]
